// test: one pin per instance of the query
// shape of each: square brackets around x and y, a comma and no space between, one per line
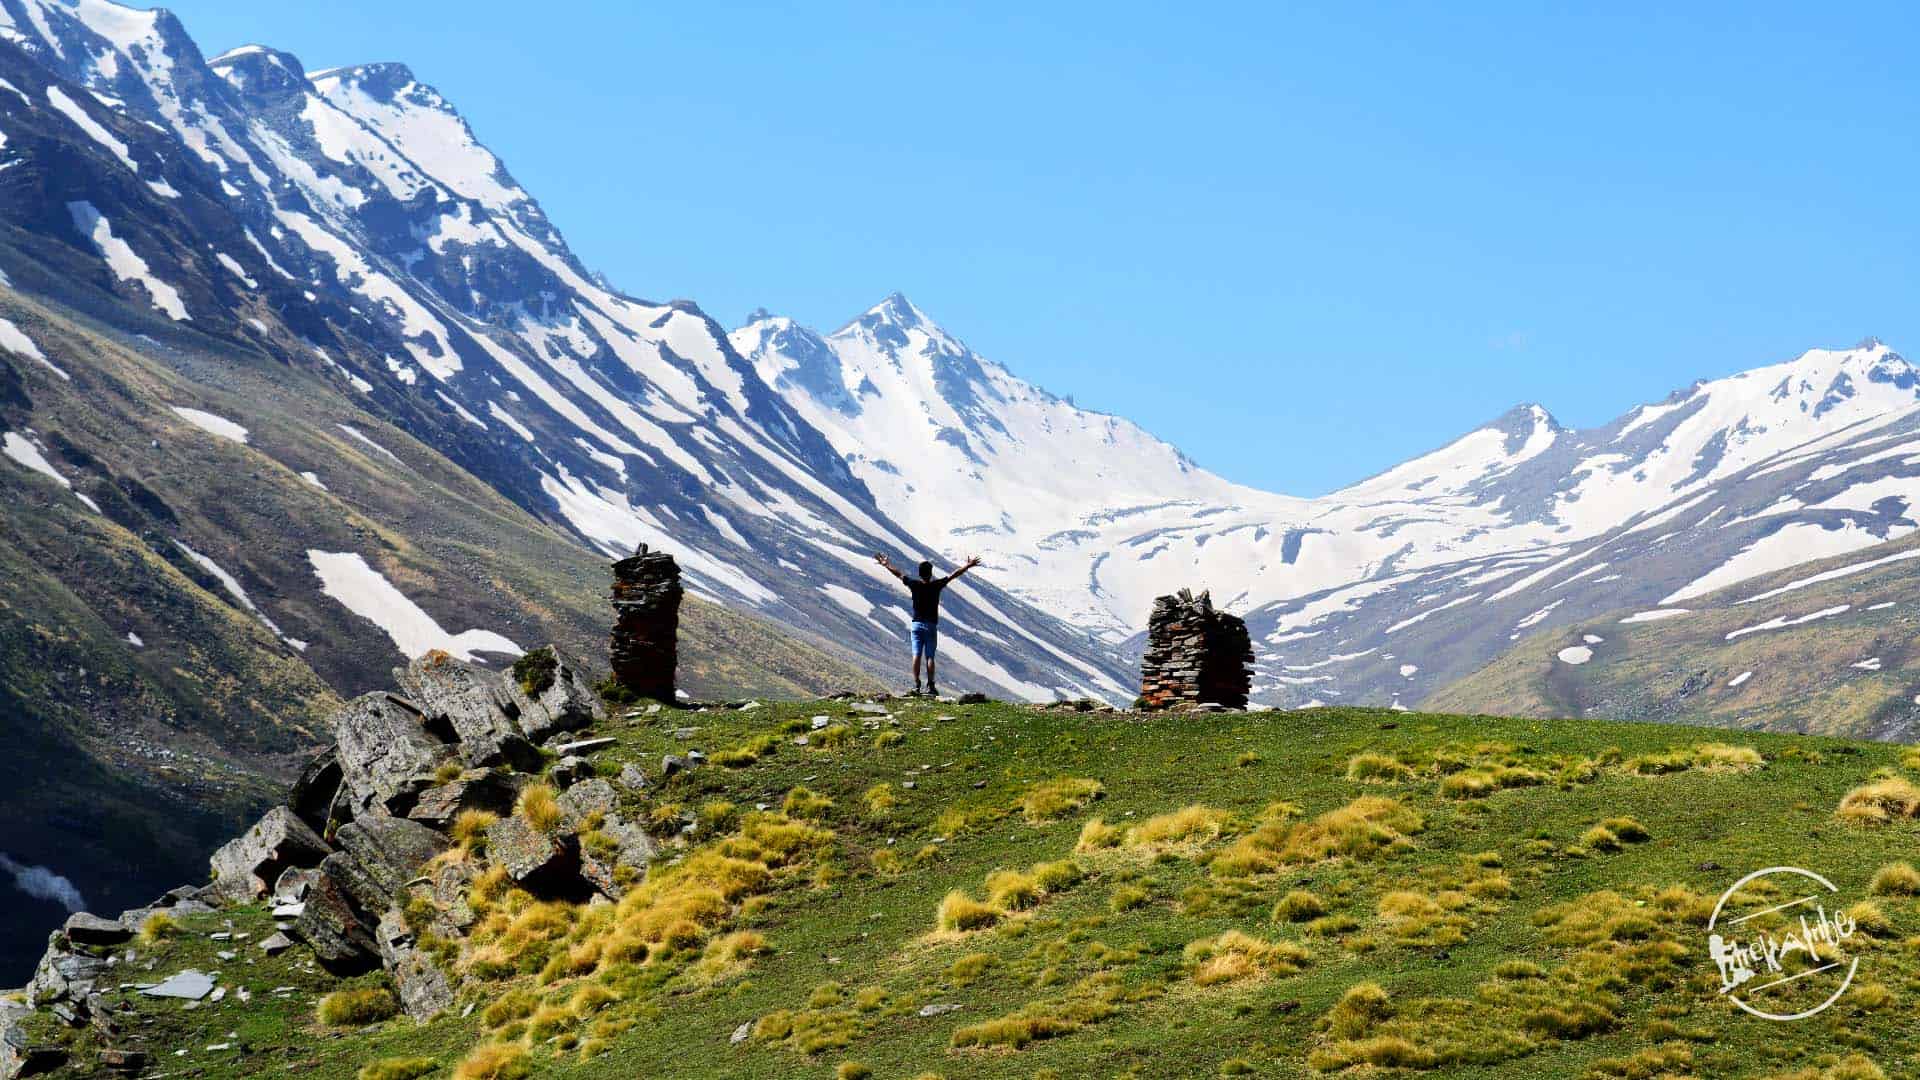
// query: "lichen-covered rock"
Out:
[569,771]
[540,862]
[379,855]
[425,990]
[474,789]
[567,703]
[20,1055]
[341,941]
[387,755]
[65,976]
[472,703]
[608,840]
[246,867]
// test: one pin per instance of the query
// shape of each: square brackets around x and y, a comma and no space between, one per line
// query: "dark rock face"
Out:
[247,867]
[1195,655]
[316,791]
[425,990]
[340,940]
[386,752]
[646,600]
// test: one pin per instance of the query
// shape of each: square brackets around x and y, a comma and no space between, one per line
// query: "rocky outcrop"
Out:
[352,863]
[646,602]
[247,867]
[1195,655]
[387,755]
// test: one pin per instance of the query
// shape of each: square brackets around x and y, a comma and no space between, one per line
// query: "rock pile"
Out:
[646,600]
[1195,655]
[348,862]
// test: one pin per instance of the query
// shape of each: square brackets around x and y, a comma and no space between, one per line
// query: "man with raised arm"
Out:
[926,612]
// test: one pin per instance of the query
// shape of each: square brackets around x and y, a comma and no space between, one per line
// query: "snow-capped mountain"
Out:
[1386,589]
[349,222]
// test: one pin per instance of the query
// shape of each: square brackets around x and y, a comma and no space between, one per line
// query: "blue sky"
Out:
[1302,242]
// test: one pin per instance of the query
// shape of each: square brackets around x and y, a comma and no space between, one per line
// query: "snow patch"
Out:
[1785,621]
[346,577]
[1575,654]
[217,426]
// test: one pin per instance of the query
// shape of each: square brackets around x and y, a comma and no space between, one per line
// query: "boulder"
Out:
[341,941]
[120,1060]
[612,843]
[544,865]
[470,706]
[569,771]
[65,976]
[276,943]
[425,990]
[316,791]
[451,883]
[387,755]
[567,703]
[474,789]
[632,778]
[247,867]
[379,855]
[83,928]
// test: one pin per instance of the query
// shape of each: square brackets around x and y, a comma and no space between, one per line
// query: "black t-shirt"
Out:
[926,598]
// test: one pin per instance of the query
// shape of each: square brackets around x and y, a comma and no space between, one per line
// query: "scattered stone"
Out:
[671,764]
[127,1061]
[741,1033]
[188,985]
[276,944]
[220,992]
[646,601]
[290,911]
[246,867]
[938,1010]
[569,771]
[583,746]
[632,778]
[695,757]
[871,708]
[819,722]
[1195,655]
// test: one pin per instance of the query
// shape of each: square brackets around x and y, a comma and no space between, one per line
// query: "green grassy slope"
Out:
[1806,676]
[1460,873]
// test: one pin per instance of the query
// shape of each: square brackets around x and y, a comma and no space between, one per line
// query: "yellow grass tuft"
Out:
[1012,890]
[1298,906]
[539,807]
[494,1061]
[1235,956]
[1189,824]
[880,799]
[397,1068]
[1050,800]
[1364,828]
[1879,801]
[157,927]
[470,828]
[358,1008]
[1375,768]
[803,803]
[960,913]
[1097,834]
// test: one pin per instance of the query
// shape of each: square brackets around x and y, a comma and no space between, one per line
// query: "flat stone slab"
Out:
[190,985]
[583,746]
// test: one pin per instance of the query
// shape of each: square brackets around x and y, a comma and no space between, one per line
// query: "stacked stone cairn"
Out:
[350,854]
[646,603]
[1195,656]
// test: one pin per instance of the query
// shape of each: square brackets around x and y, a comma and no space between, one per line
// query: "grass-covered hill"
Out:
[925,889]
[1824,647]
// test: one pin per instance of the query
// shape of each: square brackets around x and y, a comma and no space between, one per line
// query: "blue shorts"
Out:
[925,636]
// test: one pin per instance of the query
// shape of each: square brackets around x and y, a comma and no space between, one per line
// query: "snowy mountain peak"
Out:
[261,74]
